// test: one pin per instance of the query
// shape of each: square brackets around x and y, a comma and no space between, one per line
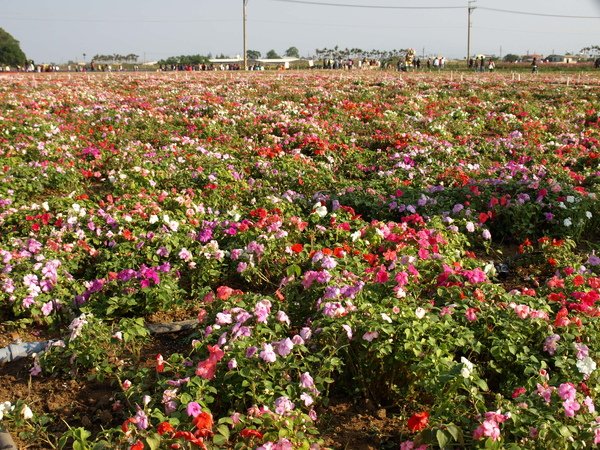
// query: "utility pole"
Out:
[245,2]
[470,9]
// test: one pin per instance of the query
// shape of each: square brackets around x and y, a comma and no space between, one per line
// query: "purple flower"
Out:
[251,351]
[283,405]
[282,317]
[284,347]
[551,344]
[582,350]
[141,419]
[205,235]
[267,354]
[185,254]
[47,308]
[306,381]
[193,409]
[262,310]
[307,399]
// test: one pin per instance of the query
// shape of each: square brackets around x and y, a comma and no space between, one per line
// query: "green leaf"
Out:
[294,270]
[219,439]
[454,431]
[153,441]
[481,384]
[441,438]
[564,431]
[223,431]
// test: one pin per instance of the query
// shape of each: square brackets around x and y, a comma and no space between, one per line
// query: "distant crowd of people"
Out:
[479,64]
[350,63]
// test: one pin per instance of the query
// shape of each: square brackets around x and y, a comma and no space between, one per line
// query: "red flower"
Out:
[189,436]
[224,292]
[160,363]
[164,427]
[247,433]
[518,392]
[418,421]
[297,248]
[139,445]
[204,422]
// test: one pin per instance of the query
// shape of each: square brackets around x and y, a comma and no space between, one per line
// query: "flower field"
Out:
[423,247]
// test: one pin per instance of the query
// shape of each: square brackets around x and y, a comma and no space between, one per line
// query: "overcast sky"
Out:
[62,30]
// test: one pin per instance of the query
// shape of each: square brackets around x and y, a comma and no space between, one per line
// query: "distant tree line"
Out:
[186,60]
[116,58]
[10,50]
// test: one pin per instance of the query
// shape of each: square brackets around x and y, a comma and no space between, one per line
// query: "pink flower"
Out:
[571,407]
[267,354]
[522,311]
[208,368]
[193,409]
[567,391]
[589,403]
[262,310]
[488,428]
[370,335]
[284,347]
[471,314]
[283,405]
[545,392]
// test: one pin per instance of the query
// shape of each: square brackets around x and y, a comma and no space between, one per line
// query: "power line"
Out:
[525,13]
[349,5]
[507,11]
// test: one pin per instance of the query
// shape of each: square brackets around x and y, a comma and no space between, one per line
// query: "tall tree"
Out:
[10,50]
[292,52]
[253,54]
[272,54]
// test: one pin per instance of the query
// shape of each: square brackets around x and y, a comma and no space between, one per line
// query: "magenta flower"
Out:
[193,409]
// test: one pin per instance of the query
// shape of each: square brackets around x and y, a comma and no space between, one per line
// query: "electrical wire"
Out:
[349,5]
[525,13]
[485,8]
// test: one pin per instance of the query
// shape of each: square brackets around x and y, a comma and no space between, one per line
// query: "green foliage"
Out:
[10,50]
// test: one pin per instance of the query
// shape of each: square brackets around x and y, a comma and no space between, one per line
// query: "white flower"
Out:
[320,210]
[355,236]
[588,214]
[570,199]
[468,367]
[385,317]
[420,312]
[153,218]
[586,365]
[26,412]
[567,222]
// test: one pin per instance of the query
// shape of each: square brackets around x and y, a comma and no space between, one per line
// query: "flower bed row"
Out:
[331,235]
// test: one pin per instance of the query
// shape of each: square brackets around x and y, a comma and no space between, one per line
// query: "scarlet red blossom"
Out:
[418,421]
[297,248]
[247,433]
[190,437]
[204,423]
[164,427]
[139,445]
[160,363]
